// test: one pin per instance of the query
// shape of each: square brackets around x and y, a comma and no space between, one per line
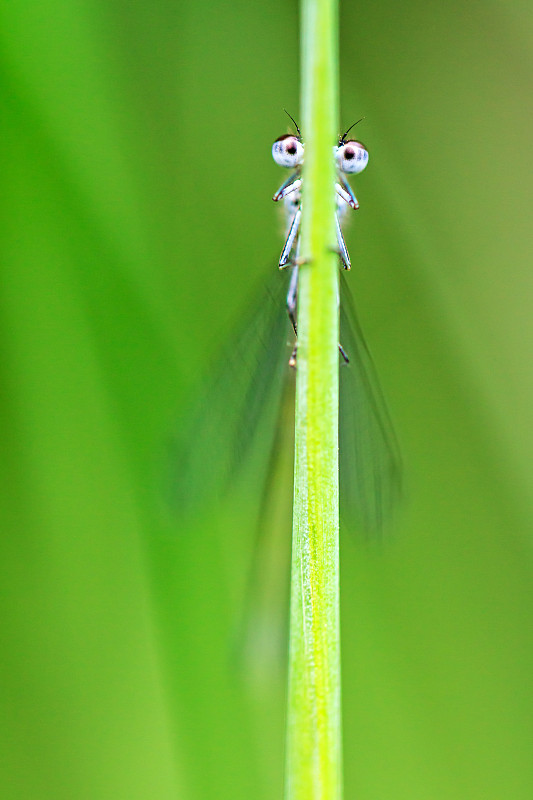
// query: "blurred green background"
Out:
[136,216]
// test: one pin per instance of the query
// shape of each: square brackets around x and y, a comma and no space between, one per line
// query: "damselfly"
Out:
[241,403]
[351,157]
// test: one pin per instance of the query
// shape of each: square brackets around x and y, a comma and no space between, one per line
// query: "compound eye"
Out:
[288,151]
[351,157]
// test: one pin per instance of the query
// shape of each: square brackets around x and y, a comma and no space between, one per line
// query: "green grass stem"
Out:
[314,748]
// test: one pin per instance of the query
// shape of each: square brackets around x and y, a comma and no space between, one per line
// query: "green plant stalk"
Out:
[314,745]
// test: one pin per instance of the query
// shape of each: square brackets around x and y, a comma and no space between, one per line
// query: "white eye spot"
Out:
[288,151]
[351,157]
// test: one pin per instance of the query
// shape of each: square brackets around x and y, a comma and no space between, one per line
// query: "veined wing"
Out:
[369,458]
[241,398]
[238,402]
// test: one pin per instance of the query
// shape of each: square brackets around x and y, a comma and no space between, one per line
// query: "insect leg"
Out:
[343,354]
[342,245]
[292,295]
[284,191]
[349,191]
[344,195]
[293,232]
[288,186]
[292,298]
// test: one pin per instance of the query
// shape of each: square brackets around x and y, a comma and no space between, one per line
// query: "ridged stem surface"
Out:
[314,748]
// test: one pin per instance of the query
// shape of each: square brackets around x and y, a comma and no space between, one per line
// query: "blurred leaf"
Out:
[121,262]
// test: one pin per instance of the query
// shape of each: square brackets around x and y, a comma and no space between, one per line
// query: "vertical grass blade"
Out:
[314,749]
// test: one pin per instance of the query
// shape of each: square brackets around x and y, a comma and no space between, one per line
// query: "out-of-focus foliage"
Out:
[136,214]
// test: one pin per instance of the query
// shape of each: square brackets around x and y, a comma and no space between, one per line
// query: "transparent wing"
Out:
[237,404]
[369,458]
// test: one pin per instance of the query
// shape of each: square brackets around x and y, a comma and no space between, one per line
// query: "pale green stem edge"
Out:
[314,744]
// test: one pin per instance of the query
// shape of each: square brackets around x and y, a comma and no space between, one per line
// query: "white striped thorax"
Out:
[351,157]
